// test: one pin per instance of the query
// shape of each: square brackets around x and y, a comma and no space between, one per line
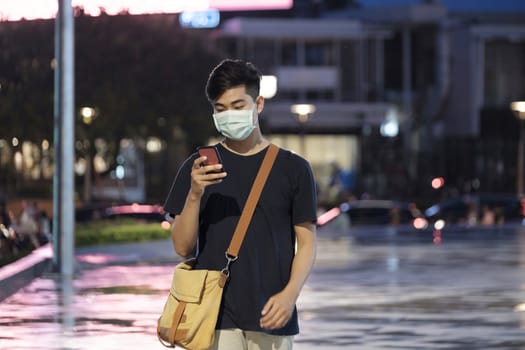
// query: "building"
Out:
[446,74]
[396,92]
[336,66]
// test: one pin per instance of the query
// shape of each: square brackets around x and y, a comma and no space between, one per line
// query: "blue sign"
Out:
[209,18]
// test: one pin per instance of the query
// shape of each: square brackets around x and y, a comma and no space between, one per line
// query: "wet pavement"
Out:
[468,292]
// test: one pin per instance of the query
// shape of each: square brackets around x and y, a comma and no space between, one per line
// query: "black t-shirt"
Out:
[265,258]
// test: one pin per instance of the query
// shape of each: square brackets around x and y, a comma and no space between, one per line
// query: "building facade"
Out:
[445,77]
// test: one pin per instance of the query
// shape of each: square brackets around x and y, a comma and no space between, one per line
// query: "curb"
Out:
[20,273]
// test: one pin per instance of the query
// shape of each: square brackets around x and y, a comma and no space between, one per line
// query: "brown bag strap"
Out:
[251,202]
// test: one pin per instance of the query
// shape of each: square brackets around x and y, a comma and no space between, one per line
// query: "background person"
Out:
[27,228]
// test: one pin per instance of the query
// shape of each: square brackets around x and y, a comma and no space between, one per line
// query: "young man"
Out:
[258,309]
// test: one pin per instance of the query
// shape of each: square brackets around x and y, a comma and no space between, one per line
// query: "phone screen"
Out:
[212,155]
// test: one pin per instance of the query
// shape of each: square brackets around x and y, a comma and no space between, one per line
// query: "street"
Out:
[468,292]
[465,293]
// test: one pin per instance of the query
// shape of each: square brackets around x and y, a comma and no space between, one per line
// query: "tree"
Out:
[144,75]
[26,80]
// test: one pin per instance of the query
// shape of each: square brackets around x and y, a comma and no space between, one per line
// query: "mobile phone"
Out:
[212,156]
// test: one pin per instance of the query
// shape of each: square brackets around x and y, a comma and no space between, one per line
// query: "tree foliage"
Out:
[26,80]
[144,74]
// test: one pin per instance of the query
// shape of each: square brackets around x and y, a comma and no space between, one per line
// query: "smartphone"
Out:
[213,156]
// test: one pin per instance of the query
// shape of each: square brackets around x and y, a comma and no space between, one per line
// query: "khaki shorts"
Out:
[236,339]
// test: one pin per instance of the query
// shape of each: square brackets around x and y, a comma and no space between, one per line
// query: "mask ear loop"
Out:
[258,100]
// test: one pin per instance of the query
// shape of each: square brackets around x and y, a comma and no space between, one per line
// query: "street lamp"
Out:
[518,107]
[302,112]
[268,87]
[88,114]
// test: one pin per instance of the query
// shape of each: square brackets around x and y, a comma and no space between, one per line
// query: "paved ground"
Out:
[466,293]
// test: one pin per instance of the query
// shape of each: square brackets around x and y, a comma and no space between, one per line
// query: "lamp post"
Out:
[302,113]
[88,114]
[268,87]
[518,107]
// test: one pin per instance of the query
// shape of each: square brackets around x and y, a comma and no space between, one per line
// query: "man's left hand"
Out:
[277,311]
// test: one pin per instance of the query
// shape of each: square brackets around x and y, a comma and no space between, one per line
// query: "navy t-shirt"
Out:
[264,262]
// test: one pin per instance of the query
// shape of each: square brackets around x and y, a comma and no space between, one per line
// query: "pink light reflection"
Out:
[236,5]
[136,208]
[114,307]
[328,216]
[96,258]
[35,257]
[134,7]
[29,9]
[32,9]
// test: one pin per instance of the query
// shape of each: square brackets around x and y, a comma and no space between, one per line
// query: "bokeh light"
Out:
[438,182]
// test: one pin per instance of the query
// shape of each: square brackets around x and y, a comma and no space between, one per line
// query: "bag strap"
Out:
[251,202]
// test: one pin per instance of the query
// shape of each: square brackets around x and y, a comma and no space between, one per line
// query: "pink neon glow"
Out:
[328,216]
[236,5]
[136,208]
[33,9]
[35,257]
[96,258]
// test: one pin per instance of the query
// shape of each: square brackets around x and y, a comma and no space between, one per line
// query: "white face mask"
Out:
[235,124]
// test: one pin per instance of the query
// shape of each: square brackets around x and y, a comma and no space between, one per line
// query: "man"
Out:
[258,309]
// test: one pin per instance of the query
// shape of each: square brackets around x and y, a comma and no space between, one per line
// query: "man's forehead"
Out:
[233,95]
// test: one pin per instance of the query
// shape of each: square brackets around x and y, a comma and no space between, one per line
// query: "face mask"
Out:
[235,124]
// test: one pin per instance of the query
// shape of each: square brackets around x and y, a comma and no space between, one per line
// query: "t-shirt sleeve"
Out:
[179,188]
[305,194]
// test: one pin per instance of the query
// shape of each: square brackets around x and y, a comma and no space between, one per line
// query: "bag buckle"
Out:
[230,259]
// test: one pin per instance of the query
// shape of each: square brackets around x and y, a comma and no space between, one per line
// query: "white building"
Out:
[446,76]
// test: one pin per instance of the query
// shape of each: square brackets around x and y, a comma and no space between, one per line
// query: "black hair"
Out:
[231,73]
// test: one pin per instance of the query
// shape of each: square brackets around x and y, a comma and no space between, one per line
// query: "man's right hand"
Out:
[204,175]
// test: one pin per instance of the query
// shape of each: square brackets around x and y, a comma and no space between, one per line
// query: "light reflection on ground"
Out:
[462,294]
[96,258]
[103,308]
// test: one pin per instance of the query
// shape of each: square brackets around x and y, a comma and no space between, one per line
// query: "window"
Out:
[504,61]
[318,54]
[289,54]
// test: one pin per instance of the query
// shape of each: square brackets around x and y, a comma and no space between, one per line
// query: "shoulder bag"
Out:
[190,313]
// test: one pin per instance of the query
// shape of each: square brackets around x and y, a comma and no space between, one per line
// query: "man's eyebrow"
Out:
[217,104]
[237,101]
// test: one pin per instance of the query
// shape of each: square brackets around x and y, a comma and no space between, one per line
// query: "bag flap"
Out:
[187,285]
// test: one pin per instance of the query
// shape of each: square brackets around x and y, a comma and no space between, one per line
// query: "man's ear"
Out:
[260,104]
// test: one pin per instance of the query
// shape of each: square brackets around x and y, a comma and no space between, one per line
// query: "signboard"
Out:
[32,9]
[200,19]
[244,5]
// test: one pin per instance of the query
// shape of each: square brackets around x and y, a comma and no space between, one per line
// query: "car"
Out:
[90,212]
[143,212]
[476,210]
[374,212]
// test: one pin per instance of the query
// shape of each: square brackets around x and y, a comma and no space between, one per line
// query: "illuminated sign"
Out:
[32,9]
[200,19]
[238,5]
